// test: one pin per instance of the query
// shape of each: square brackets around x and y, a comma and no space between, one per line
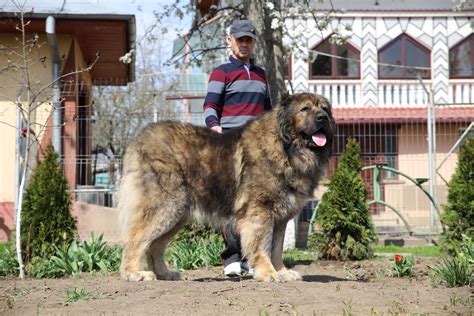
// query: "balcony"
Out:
[389,93]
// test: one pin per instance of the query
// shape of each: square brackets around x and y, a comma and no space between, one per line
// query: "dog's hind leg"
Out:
[149,237]
[135,244]
[156,252]
[277,254]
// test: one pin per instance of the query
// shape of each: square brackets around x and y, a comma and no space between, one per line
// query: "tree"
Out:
[47,221]
[269,18]
[346,230]
[458,213]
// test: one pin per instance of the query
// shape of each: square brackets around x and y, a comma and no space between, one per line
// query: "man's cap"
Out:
[240,28]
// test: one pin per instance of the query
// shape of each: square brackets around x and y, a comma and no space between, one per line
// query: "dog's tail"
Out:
[128,195]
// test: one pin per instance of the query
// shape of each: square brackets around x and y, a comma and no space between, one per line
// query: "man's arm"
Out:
[214,100]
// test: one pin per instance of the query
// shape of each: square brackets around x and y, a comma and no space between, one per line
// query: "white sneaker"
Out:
[246,269]
[233,269]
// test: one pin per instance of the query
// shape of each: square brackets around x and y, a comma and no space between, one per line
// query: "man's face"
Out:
[242,47]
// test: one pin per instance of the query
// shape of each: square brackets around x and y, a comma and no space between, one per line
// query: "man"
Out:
[237,92]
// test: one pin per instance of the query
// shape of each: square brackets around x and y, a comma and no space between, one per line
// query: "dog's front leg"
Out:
[277,253]
[256,233]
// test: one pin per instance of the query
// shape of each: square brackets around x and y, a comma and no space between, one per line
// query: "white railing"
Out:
[402,93]
[461,91]
[389,93]
[343,93]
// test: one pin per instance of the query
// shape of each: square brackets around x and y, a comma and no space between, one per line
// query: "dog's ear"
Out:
[284,130]
[285,99]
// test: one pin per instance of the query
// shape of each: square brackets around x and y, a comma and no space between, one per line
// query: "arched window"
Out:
[403,51]
[335,68]
[461,59]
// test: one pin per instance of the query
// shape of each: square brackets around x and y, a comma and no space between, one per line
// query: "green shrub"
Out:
[195,231]
[457,270]
[186,254]
[43,268]
[46,218]
[458,213]
[346,231]
[8,262]
[454,271]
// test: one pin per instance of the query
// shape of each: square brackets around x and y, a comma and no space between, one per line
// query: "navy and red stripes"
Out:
[235,94]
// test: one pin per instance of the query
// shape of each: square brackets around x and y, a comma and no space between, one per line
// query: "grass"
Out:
[429,251]
[292,257]
[5,245]
[74,295]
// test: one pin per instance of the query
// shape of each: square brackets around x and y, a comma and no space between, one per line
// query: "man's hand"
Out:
[217,129]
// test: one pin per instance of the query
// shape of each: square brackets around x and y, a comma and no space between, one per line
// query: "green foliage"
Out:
[77,257]
[46,218]
[74,295]
[401,266]
[8,262]
[454,271]
[86,257]
[43,268]
[457,270]
[195,231]
[185,254]
[458,213]
[346,231]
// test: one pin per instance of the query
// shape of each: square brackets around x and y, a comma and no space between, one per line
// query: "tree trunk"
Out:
[269,51]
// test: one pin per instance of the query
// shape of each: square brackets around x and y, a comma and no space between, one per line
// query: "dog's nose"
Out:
[321,116]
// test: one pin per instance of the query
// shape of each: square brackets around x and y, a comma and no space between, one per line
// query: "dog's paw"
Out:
[170,276]
[289,275]
[268,277]
[139,276]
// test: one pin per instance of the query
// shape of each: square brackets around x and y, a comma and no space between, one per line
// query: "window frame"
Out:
[468,38]
[404,39]
[334,75]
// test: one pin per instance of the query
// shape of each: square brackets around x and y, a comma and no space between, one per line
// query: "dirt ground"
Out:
[327,288]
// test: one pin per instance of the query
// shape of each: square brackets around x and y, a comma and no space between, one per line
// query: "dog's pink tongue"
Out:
[319,139]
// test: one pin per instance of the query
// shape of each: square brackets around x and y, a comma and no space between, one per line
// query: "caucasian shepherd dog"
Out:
[259,176]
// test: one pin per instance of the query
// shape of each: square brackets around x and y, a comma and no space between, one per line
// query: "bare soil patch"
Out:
[327,288]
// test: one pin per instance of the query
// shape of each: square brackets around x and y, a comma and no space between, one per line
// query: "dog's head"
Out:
[306,120]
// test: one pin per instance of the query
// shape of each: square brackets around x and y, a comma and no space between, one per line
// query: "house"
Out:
[402,57]
[87,33]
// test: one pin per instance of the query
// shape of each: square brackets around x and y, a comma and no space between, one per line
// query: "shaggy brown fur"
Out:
[259,176]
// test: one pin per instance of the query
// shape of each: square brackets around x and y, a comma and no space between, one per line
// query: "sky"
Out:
[143,10]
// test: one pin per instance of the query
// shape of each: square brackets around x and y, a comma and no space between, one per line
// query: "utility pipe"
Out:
[57,118]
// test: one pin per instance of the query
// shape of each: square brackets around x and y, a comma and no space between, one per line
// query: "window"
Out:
[461,59]
[404,51]
[330,67]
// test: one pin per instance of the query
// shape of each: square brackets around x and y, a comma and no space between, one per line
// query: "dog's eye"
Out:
[305,109]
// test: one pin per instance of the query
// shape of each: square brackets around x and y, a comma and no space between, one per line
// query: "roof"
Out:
[401,115]
[97,27]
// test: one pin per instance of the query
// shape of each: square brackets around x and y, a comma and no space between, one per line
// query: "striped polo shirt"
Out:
[236,94]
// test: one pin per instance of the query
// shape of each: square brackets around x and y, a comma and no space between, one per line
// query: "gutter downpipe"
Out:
[57,119]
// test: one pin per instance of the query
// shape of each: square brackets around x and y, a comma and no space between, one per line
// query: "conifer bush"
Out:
[46,220]
[345,228]
[458,213]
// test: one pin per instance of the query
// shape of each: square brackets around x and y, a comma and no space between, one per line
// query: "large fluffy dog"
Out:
[260,176]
